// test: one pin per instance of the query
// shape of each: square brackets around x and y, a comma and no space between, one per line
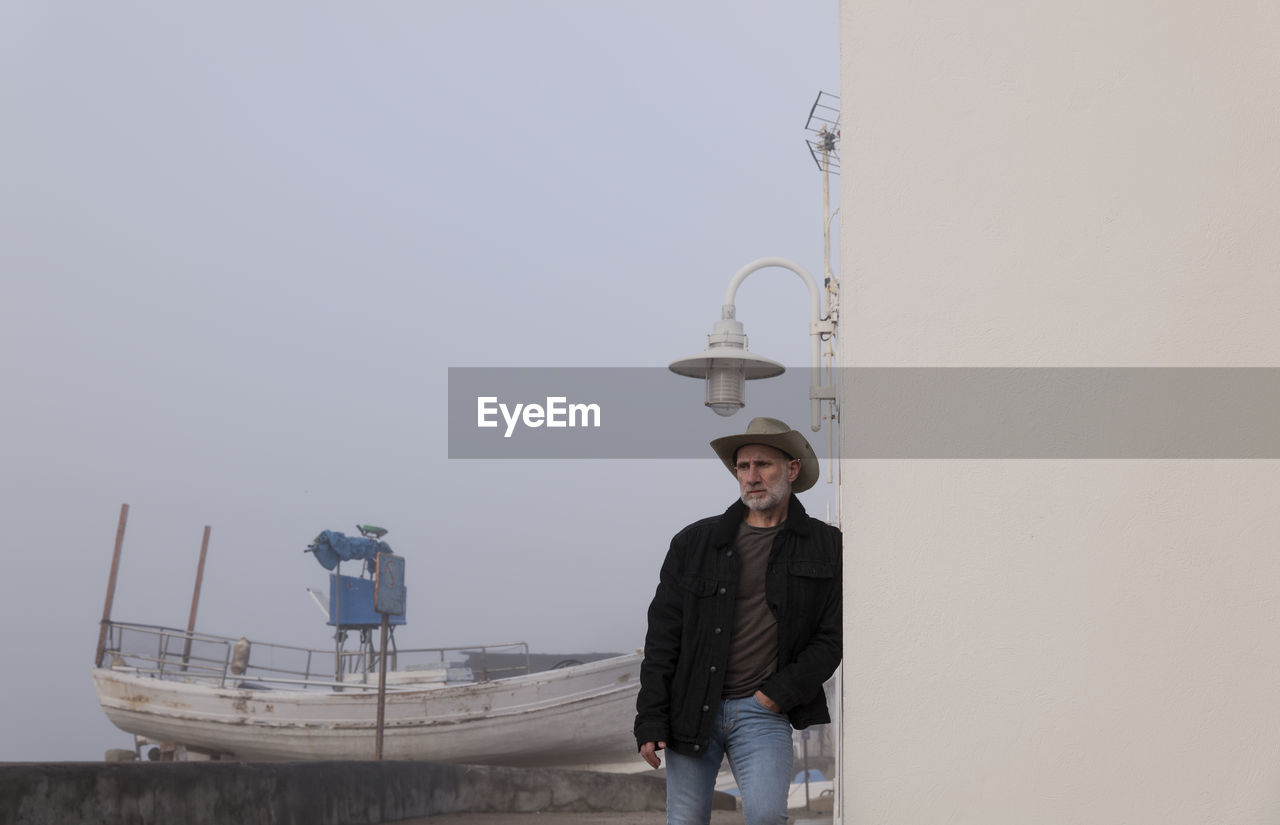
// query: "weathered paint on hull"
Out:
[578,716]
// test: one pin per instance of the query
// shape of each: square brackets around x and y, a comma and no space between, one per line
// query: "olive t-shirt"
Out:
[753,648]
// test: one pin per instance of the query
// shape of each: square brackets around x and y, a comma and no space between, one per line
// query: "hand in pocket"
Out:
[767,703]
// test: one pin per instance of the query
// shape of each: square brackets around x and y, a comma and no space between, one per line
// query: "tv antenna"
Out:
[823,141]
[824,129]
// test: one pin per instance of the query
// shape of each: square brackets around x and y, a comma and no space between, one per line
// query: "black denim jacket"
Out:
[691,619]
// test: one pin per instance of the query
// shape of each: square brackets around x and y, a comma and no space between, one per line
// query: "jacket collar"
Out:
[726,531]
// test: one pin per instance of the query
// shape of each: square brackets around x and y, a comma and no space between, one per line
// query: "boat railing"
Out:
[170,653]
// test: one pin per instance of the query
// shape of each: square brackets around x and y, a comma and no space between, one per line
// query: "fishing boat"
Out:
[231,698]
[220,697]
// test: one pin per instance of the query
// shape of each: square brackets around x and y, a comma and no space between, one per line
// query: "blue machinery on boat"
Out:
[354,600]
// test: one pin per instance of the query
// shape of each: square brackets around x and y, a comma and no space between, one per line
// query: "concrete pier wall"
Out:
[301,793]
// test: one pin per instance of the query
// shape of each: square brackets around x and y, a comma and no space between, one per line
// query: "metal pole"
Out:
[111,586]
[804,742]
[382,685]
[337,622]
[195,598]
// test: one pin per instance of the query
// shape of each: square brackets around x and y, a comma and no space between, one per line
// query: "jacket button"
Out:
[706,708]
[722,591]
[717,630]
[713,668]
[697,747]
[728,552]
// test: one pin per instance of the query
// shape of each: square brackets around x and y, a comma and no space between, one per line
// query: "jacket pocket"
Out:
[811,569]
[697,585]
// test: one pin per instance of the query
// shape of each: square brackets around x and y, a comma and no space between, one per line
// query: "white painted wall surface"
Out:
[1093,183]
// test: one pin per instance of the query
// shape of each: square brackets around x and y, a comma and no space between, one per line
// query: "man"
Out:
[743,630]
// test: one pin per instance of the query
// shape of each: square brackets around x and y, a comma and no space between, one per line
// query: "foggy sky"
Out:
[241,244]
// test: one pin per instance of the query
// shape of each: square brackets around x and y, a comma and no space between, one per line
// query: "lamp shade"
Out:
[753,366]
[727,365]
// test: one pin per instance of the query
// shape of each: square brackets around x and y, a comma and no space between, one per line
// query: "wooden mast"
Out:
[111,586]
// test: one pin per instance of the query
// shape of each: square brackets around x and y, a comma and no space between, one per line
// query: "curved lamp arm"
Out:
[818,326]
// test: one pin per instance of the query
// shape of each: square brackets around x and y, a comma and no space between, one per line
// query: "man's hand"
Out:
[649,750]
[767,703]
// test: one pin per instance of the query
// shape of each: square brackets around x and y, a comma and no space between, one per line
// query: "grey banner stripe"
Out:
[888,412]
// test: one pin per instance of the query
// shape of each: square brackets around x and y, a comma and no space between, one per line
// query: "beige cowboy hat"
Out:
[773,433]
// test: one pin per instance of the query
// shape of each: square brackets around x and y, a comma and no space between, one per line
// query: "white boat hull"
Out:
[579,716]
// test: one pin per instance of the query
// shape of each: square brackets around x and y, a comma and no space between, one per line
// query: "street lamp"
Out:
[727,365]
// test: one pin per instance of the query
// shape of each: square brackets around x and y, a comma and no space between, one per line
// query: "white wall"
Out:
[1093,183]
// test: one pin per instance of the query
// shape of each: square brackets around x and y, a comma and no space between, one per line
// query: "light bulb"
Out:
[726,386]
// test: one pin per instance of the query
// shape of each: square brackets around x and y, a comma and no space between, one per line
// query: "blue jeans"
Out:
[758,744]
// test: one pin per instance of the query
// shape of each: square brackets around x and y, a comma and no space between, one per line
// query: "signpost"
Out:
[388,600]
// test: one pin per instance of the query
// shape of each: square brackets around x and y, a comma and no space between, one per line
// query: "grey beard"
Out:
[771,499]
